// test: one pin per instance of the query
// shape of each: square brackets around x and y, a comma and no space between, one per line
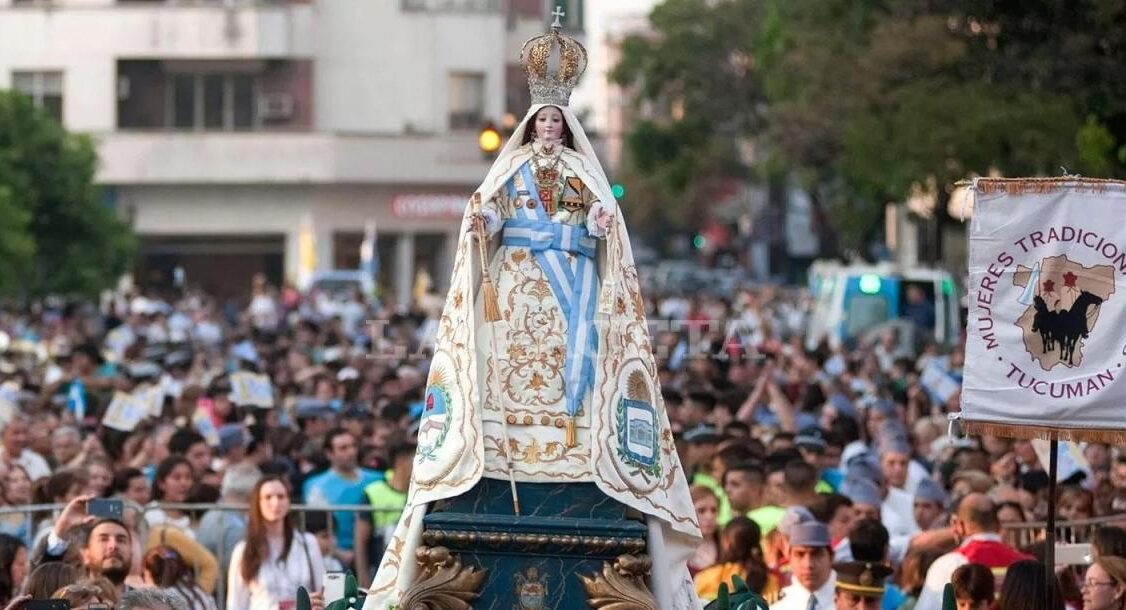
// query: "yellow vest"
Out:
[387,504]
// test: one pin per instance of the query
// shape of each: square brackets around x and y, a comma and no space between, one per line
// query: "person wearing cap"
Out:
[700,442]
[810,560]
[314,417]
[930,504]
[865,496]
[811,444]
[899,500]
[234,440]
[860,584]
[354,418]
[976,526]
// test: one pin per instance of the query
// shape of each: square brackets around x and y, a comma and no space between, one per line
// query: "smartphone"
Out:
[105,509]
[334,586]
[46,604]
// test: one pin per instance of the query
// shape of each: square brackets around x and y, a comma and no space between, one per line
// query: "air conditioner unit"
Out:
[275,106]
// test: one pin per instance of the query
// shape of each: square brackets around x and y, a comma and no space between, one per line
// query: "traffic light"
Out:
[618,190]
[489,140]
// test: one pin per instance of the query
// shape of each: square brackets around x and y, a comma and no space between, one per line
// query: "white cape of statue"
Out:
[452,459]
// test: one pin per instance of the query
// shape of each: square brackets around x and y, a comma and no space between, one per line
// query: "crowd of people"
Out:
[813,472]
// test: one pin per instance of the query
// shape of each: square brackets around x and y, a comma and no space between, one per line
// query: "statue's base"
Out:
[534,561]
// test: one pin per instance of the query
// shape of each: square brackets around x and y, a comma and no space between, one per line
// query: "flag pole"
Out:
[1050,537]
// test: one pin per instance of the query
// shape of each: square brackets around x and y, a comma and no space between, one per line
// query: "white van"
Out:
[849,300]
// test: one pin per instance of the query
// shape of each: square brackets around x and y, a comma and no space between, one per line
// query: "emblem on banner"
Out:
[1059,299]
[638,442]
[531,590]
[435,422]
[1062,300]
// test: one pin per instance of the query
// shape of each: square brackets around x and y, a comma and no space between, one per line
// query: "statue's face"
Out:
[549,124]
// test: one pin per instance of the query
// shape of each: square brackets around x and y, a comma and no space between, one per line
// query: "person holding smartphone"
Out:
[274,559]
[108,549]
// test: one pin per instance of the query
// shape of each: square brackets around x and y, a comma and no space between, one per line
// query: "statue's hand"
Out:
[603,219]
[477,224]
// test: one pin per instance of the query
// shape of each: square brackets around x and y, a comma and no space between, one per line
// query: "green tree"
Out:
[56,236]
[699,69]
[862,100]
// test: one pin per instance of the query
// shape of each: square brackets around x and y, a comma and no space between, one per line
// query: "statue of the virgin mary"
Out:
[543,370]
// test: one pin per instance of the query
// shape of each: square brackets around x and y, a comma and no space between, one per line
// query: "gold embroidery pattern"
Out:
[627,335]
[393,558]
[551,452]
[535,337]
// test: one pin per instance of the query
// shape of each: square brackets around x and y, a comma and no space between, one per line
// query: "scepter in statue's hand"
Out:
[488,289]
[492,314]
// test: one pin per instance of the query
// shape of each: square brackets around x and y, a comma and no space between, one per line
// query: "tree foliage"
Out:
[55,235]
[861,100]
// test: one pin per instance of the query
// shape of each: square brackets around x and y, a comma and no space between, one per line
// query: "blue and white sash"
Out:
[574,282]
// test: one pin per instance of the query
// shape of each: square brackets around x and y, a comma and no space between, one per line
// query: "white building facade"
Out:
[235,133]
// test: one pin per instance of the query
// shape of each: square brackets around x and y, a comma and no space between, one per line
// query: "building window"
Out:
[44,88]
[211,102]
[467,100]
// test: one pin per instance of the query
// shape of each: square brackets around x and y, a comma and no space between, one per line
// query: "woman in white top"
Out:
[274,559]
[173,484]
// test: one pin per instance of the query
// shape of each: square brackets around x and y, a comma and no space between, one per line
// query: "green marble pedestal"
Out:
[534,561]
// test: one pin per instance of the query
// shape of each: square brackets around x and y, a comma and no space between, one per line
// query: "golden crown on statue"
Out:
[554,63]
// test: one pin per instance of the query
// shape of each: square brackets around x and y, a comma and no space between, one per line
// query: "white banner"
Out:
[1047,306]
[251,390]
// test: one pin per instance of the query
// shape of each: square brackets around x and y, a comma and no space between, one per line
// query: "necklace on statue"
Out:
[545,167]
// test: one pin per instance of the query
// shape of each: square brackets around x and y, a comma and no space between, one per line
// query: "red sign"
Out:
[428,206]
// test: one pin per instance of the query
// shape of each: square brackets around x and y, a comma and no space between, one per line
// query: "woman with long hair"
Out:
[173,484]
[740,553]
[275,558]
[1023,588]
[13,567]
[706,503]
[164,568]
[17,490]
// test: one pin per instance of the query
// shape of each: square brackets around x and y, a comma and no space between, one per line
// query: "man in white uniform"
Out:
[811,562]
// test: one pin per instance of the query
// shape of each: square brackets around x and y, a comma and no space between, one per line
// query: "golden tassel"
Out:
[489,294]
[571,434]
[488,289]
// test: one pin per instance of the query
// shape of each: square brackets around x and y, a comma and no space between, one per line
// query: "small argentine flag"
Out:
[1030,288]
[76,400]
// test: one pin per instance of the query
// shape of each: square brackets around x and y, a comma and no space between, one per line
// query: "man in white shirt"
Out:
[16,450]
[979,534]
[811,562]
